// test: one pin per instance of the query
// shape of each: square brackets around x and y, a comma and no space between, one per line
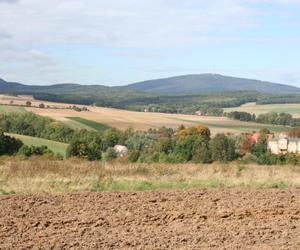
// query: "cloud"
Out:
[132,28]
[9,1]
[130,23]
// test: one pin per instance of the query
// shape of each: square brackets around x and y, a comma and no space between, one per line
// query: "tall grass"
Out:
[38,175]
[11,108]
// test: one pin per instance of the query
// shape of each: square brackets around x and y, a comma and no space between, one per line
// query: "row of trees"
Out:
[163,145]
[33,125]
[132,100]
[176,146]
[268,118]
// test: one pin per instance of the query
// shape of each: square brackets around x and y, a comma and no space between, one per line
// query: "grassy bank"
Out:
[56,147]
[10,108]
[37,175]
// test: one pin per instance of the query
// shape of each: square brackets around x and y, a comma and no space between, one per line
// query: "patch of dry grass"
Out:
[38,175]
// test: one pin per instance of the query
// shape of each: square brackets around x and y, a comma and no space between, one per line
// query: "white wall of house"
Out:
[283,146]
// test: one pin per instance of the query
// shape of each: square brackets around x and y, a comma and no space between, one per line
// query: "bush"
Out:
[222,148]
[133,156]
[9,145]
[249,158]
[109,154]
[32,150]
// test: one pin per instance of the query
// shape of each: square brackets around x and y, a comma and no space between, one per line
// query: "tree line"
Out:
[268,118]
[182,145]
[164,145]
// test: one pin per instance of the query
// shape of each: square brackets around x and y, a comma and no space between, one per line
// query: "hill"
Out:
[182,94]
[206,83]
[178,85]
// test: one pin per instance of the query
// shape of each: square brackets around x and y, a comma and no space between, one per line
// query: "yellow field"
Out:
[123,119]
[293,109]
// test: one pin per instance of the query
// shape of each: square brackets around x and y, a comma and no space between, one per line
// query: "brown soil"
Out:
[193,219]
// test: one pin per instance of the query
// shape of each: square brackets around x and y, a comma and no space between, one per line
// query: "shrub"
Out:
[109,154]
[32,150]
[133,156]
[9,145]
[249,158]
[222,148]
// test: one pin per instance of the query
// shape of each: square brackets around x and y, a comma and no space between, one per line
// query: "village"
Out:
[282,144]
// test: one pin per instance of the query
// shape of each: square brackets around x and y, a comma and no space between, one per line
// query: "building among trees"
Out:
[284,145]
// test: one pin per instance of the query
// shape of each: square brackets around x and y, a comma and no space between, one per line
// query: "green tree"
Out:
[201,151]
[261,146]
[222,148]
[9,145]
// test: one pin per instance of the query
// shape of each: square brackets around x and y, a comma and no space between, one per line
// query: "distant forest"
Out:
[209,104]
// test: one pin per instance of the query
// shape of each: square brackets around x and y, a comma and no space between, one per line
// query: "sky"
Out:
[117,42]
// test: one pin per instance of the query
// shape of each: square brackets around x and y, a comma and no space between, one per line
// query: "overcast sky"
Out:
[114,42]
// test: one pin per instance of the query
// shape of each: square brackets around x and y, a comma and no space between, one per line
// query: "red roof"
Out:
[254,137]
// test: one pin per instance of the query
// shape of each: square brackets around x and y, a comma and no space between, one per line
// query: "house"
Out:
[121,150]
[284,145]
[199,112]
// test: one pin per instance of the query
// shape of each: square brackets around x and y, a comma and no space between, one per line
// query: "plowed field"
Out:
[186,219]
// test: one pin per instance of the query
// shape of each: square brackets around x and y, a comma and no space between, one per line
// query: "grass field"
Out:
[7,108]
[90,124]
[56,147]
[293,109]
[38,176]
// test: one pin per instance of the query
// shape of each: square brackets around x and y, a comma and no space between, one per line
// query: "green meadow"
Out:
[89,124]
[56,147]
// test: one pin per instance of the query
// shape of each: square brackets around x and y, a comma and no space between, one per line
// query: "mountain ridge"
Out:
[207,83]
[178,85]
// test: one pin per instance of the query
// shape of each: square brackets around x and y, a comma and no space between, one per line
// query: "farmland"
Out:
[98,118]
[260,210]
[293,109]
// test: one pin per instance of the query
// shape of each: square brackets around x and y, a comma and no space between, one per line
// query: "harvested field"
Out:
[190,219]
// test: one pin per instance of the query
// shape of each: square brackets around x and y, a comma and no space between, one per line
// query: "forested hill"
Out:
[179,85]
[210,83]
[141,97]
